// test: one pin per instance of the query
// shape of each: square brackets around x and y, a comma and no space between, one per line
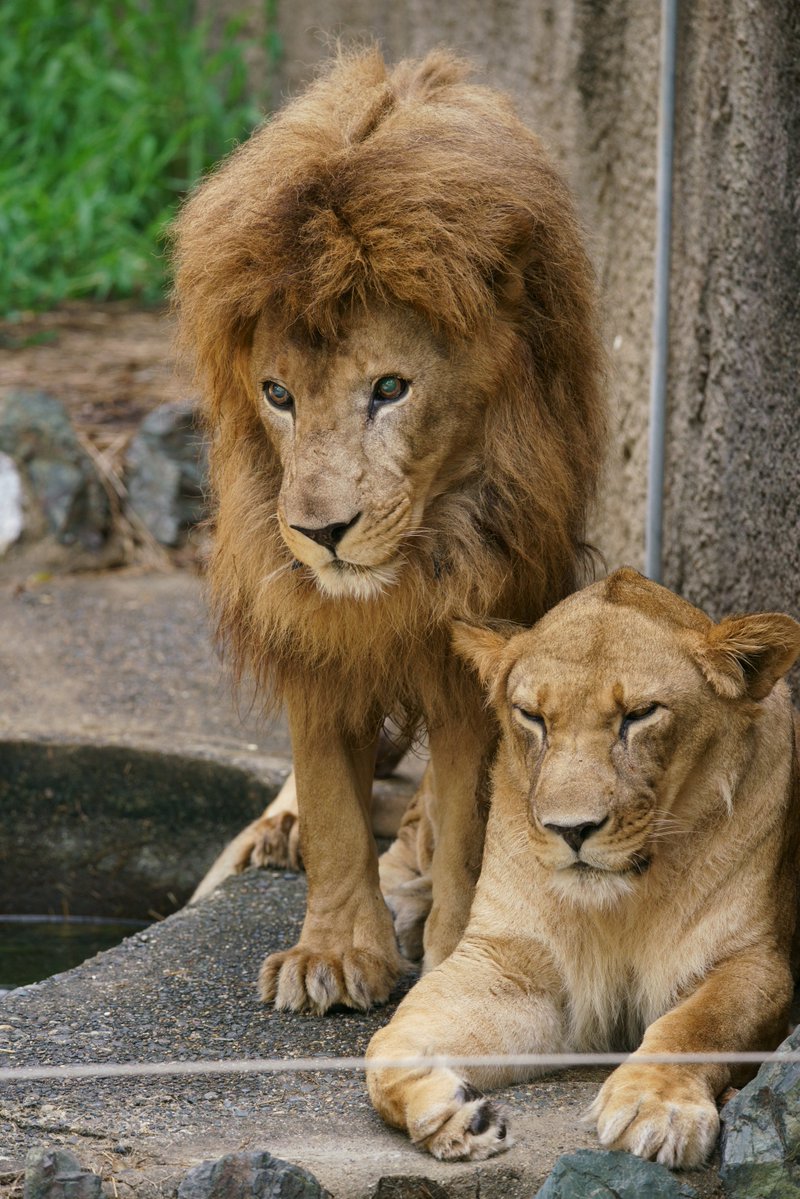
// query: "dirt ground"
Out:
[110,364]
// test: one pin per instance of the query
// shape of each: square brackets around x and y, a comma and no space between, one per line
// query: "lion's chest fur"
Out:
[389,655]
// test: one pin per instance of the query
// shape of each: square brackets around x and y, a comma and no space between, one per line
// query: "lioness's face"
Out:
[627,717]
[369,428]
[606,716]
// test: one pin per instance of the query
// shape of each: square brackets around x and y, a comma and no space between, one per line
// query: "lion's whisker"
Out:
[278,572]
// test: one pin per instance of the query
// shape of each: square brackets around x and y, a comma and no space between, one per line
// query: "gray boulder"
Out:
[56,1174]
[166,470]
[12,512]
[67,497]
[250,1176]
[761,1133]
[601,1174]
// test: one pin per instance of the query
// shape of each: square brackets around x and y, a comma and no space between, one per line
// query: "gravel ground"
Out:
[121,655]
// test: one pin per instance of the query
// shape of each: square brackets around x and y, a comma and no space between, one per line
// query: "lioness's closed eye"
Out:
[640,878]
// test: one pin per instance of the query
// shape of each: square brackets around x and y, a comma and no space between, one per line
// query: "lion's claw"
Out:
[302,980]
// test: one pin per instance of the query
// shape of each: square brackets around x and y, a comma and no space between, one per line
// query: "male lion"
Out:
[640,876]
[392,315]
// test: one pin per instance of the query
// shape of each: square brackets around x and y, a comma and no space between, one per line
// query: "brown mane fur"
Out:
[417,188]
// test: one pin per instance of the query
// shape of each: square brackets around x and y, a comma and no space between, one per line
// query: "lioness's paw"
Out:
[276,842]
[653,1116]
[468,1128]
[301,980]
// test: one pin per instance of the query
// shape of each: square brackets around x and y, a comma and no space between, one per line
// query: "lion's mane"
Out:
[416,187]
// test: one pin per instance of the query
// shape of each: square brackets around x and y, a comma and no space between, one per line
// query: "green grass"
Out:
[109,111]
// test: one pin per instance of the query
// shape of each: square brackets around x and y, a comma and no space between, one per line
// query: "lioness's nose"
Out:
[328,536]
[576,834]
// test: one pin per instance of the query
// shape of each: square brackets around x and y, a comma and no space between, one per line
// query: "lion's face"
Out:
[369,429]
[617,712]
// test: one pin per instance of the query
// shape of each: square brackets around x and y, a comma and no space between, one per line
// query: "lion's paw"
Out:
[468,1128]
[276,842]
[653,1115]
[410,902]
[304,980]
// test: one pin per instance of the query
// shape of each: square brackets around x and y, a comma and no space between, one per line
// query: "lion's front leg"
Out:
[460,758]
[346,953]
[467,1007]
[669,1112]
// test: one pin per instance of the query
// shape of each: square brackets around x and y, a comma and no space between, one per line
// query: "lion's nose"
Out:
[576,834]
[328,536]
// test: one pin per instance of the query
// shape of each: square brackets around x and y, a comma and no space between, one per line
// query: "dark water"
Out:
[34,947]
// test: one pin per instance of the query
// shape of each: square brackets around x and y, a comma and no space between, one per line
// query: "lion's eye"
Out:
[531,718]
[388,389]
[277,395]
[635,716]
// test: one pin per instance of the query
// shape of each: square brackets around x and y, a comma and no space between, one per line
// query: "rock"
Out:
[601,1174]
[761,1133]
[12,519]
[250,1176]
[35,431]
[166,467]
[56,1174]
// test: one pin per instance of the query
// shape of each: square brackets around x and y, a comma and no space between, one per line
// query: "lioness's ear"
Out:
[746,655]
[482,645]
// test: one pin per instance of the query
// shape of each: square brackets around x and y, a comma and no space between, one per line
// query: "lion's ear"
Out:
[482,645]
[746,655]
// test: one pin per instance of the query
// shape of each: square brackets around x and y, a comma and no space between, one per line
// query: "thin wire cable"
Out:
[305,1065]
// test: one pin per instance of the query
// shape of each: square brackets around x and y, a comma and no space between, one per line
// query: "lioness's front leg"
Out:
[346,953]
[669,1112]
[470,1006]
[460,759]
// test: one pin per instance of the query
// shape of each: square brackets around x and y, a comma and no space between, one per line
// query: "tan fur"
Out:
[387,223]
[675,931]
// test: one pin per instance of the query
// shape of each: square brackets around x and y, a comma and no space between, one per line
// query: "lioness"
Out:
[393,321]
[640,877]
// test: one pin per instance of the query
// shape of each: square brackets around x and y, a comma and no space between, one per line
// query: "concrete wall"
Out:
[732,518]
[585,75]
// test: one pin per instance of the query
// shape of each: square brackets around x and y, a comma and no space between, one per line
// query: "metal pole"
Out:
[660,345]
